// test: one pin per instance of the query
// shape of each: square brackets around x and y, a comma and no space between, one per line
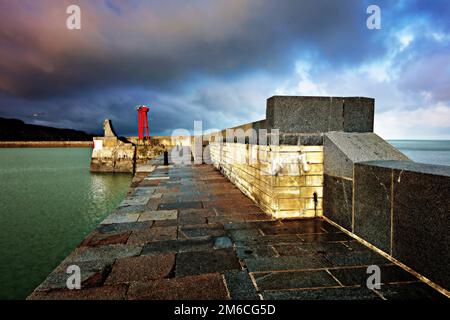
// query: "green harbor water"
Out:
[49,201]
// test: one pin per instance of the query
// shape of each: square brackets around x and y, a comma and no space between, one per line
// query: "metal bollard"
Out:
[166,158]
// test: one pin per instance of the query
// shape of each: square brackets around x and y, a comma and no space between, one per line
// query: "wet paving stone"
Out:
[224,219]
[57,280]
[251,225]
[294,280]
[192,263]
[190,245]
[143,191]
[244,234]
[310,261]
[240,285]
[130,209]
[135,201]
[122,227]
[93,266]
[181,205]
[222,243]
[104,252]
[305,248]
[323,294]
[410,291]
[127,218]
[203,230]
[165,223]
[100,293]
[359,275]
[325,237]
[256,251]
[142,268]
[198,212]
[158,215]
[200,287]
[153,234]
[291,230]
[270,240]
[356,246]
[96,239]
[356,259]
[192,220]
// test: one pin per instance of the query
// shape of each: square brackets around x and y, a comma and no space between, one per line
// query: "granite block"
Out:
[294,280]
[337,200]
[142,268]
[178,246]
[311,261]
[358,114]
[421,237]
[200,287]
[192,263]
[240,286]
[323,294]
[342,150]
[358,275]
[372,205]
[411,291]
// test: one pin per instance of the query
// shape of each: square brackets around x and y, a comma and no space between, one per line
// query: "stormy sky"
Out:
[218,61]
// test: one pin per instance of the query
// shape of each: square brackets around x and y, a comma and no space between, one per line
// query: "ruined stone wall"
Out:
[112,155]
[274,176]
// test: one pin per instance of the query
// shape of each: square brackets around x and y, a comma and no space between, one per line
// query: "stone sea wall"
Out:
[285,181]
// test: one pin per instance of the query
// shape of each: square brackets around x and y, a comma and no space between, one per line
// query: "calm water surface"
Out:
[49,201]
[425,151]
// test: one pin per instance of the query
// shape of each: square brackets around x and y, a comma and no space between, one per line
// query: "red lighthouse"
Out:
[143,122]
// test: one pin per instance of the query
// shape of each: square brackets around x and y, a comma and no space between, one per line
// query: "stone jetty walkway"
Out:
[186,232]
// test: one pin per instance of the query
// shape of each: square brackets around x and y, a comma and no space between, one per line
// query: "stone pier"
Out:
[186,232]
[301,219]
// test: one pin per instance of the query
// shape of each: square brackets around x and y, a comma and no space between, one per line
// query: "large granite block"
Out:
[320,114]
[358,114]
[337,204]
[299,114]
[421,235]
[342,150]
[372,205]
[420,209]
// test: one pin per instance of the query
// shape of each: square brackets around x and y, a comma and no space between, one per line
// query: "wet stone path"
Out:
[186,232]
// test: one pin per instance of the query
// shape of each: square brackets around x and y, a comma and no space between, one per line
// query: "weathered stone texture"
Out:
[403,207]
[302,114]
[372,205]
[342,150]
[338,197]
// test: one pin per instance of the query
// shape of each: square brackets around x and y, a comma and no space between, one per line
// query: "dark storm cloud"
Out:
[163,43]
[217,61]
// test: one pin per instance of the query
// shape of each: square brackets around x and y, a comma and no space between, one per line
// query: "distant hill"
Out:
[17,130]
